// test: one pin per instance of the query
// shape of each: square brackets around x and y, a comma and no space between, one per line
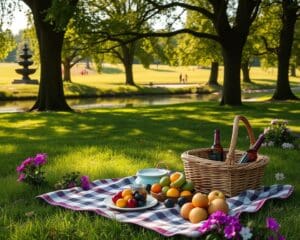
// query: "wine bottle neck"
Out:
[258,142]
[217,137]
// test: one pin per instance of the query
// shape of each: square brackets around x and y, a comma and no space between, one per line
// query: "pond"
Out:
[114,102]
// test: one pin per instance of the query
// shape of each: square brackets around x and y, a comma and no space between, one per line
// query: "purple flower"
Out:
[21,177]
[280,237]
[85,182]
[272,224]
[40,159]
[229,231]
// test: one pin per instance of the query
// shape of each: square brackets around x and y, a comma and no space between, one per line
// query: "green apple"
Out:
[165,181]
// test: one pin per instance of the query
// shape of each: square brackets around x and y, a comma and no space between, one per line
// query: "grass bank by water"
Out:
[108,143]
[111,81]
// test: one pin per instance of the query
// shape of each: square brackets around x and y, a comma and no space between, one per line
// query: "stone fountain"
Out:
[25,71]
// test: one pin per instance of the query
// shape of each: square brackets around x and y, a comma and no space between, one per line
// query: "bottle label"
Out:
[213,155]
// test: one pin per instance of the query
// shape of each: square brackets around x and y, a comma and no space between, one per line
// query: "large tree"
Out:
[50,19]
[7,43]
[104,22]
[231,20]
[290,12]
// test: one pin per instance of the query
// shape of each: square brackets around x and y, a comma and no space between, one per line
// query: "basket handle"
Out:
[230,156]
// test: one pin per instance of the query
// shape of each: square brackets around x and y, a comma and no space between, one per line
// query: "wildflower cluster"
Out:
[279,135]
[29,170]
[222,226]
[73,179]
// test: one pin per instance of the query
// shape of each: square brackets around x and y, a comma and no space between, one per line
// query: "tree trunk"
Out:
[128,56]
[245,71]
[51,94]
[232,72]
[213,77]
[283,90]
[67,70]
[293,70]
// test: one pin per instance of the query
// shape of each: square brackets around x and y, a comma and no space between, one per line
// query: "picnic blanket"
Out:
[166,221]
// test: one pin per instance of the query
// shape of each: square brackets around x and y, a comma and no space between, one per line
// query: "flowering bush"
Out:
[30,169]
[222,226]
[73,179]
[279,135]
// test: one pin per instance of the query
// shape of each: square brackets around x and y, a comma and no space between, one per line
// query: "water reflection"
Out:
[114,102]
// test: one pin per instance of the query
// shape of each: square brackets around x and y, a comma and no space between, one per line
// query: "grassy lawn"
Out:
[111,80]
[109,143]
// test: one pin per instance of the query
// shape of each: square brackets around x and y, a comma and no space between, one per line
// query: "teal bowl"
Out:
[150,175]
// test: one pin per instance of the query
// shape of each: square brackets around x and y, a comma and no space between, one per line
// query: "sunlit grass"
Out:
[112,80]
[108,143]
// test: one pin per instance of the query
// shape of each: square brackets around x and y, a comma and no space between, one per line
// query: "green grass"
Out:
[109,143]
[111,81]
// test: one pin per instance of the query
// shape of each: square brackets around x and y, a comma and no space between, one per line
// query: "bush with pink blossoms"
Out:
[30,170]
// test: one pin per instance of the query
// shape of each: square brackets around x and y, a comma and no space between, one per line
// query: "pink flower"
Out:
[28,161]
[20,168]
[21,177]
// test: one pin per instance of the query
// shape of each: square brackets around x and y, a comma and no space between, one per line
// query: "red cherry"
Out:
[115,198]
[131,203]
[119,194]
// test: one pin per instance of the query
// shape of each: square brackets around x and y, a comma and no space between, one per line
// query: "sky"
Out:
[19,21]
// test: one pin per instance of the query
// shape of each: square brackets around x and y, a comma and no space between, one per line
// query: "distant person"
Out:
[180,78]
[185,78]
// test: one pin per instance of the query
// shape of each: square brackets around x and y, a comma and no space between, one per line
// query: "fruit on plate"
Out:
[128,198]
[185,210]
[178,179]
[218,204]
[214,194]
[197,215]
[200,200]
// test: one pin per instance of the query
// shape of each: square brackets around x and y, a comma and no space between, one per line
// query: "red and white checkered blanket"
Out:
[166,221]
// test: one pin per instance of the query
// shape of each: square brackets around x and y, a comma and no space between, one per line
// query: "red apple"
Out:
[215,194]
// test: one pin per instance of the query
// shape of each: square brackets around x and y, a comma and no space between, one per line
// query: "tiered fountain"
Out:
[25,71]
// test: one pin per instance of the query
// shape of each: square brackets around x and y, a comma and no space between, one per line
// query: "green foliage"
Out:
[7,43]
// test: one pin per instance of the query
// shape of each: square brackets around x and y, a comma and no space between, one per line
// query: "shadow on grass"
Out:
[111,70]
[161,70]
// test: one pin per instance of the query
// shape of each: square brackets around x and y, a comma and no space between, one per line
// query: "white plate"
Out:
[151,202]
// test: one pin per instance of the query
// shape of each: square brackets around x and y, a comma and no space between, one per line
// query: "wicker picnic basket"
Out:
[229,176]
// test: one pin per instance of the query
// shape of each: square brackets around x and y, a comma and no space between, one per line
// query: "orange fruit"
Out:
[121,203]
[156,188]
[126,192]
[197,215]
[127,197]
[174,176]
[200,200]
[185,210]
[173,192]
[185,193]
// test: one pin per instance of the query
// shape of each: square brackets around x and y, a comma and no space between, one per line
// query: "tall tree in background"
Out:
[231,21]
[104,22]
[50,19]
[200,51]
[290,12]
